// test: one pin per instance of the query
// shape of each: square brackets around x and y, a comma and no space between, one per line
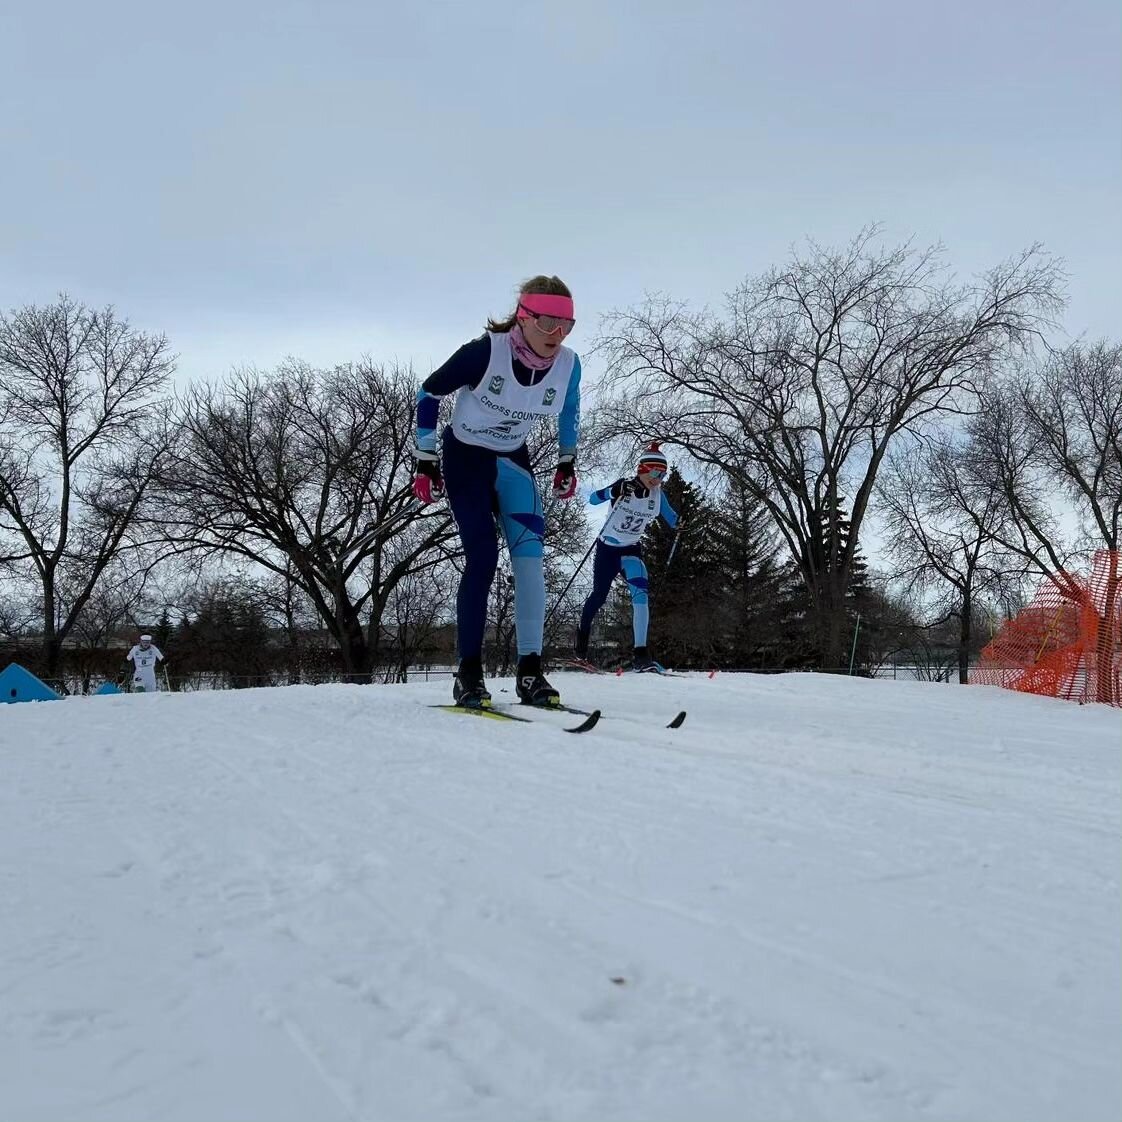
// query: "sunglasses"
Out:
[549,325]
[647,469]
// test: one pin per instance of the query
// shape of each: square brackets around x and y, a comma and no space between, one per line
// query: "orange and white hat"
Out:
[652,460]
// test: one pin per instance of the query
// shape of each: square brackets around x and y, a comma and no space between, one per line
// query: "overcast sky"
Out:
[332,178]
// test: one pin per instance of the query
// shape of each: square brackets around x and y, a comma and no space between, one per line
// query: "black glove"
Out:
[626,488]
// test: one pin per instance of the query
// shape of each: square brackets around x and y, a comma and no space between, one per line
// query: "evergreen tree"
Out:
[688,581]
[162,631]
[760,586]
[229,635]
[858,600]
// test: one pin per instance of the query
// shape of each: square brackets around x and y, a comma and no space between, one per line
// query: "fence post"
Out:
[853,652]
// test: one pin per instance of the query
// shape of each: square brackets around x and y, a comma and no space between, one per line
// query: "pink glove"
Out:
[565,478]
[428,483]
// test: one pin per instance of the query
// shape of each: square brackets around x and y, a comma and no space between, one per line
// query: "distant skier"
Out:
[636,503]
[144,656]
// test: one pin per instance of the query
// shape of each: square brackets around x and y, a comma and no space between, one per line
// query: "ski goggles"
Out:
[657,470]
[549,313]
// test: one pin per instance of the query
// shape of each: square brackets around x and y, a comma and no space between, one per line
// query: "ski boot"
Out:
[532,687]
[468,689]
[580,649]
[642,663]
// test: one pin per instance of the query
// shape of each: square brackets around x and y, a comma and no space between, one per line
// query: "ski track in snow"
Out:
[822,898]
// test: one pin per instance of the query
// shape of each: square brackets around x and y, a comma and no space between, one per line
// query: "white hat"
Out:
[652,457]
[143,638]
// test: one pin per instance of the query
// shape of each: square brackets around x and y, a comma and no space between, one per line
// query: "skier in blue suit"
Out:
[636,503]
[505,381]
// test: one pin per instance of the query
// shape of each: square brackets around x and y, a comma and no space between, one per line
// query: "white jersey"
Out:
[499,412]
[144,666]
[630,518]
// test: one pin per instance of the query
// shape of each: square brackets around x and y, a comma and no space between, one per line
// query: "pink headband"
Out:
[546,305]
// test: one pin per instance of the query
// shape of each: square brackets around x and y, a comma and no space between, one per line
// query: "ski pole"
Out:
[374,529]
[549,615]
[673,549]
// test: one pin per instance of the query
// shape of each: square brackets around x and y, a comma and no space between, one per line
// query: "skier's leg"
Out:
[636,573]
[523,523]
[469,480]
[605,566]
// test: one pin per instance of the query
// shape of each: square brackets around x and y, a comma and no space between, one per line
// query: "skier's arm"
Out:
[607,494]
[669,514]
[159,654]
[465,368]
[568,424]
[568,432]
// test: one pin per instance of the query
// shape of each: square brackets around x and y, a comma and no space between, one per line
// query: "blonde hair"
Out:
[539,285]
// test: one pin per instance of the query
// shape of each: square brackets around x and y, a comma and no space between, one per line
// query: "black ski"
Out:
[587,724]
[676,723]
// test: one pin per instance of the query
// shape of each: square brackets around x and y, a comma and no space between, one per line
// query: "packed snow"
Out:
[821,898]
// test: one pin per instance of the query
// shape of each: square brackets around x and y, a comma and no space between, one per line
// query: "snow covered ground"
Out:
[822,898]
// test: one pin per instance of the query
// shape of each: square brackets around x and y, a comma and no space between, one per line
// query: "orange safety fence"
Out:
[1067,643]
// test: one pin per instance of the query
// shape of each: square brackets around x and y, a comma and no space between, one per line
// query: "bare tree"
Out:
[888,625]
[942,533]
[80,440]
[306,472]
[1050,444]
[290,606]
[1052,434]
[417,609]
[799,390]
[17,616]
[931,660]
[112,606]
